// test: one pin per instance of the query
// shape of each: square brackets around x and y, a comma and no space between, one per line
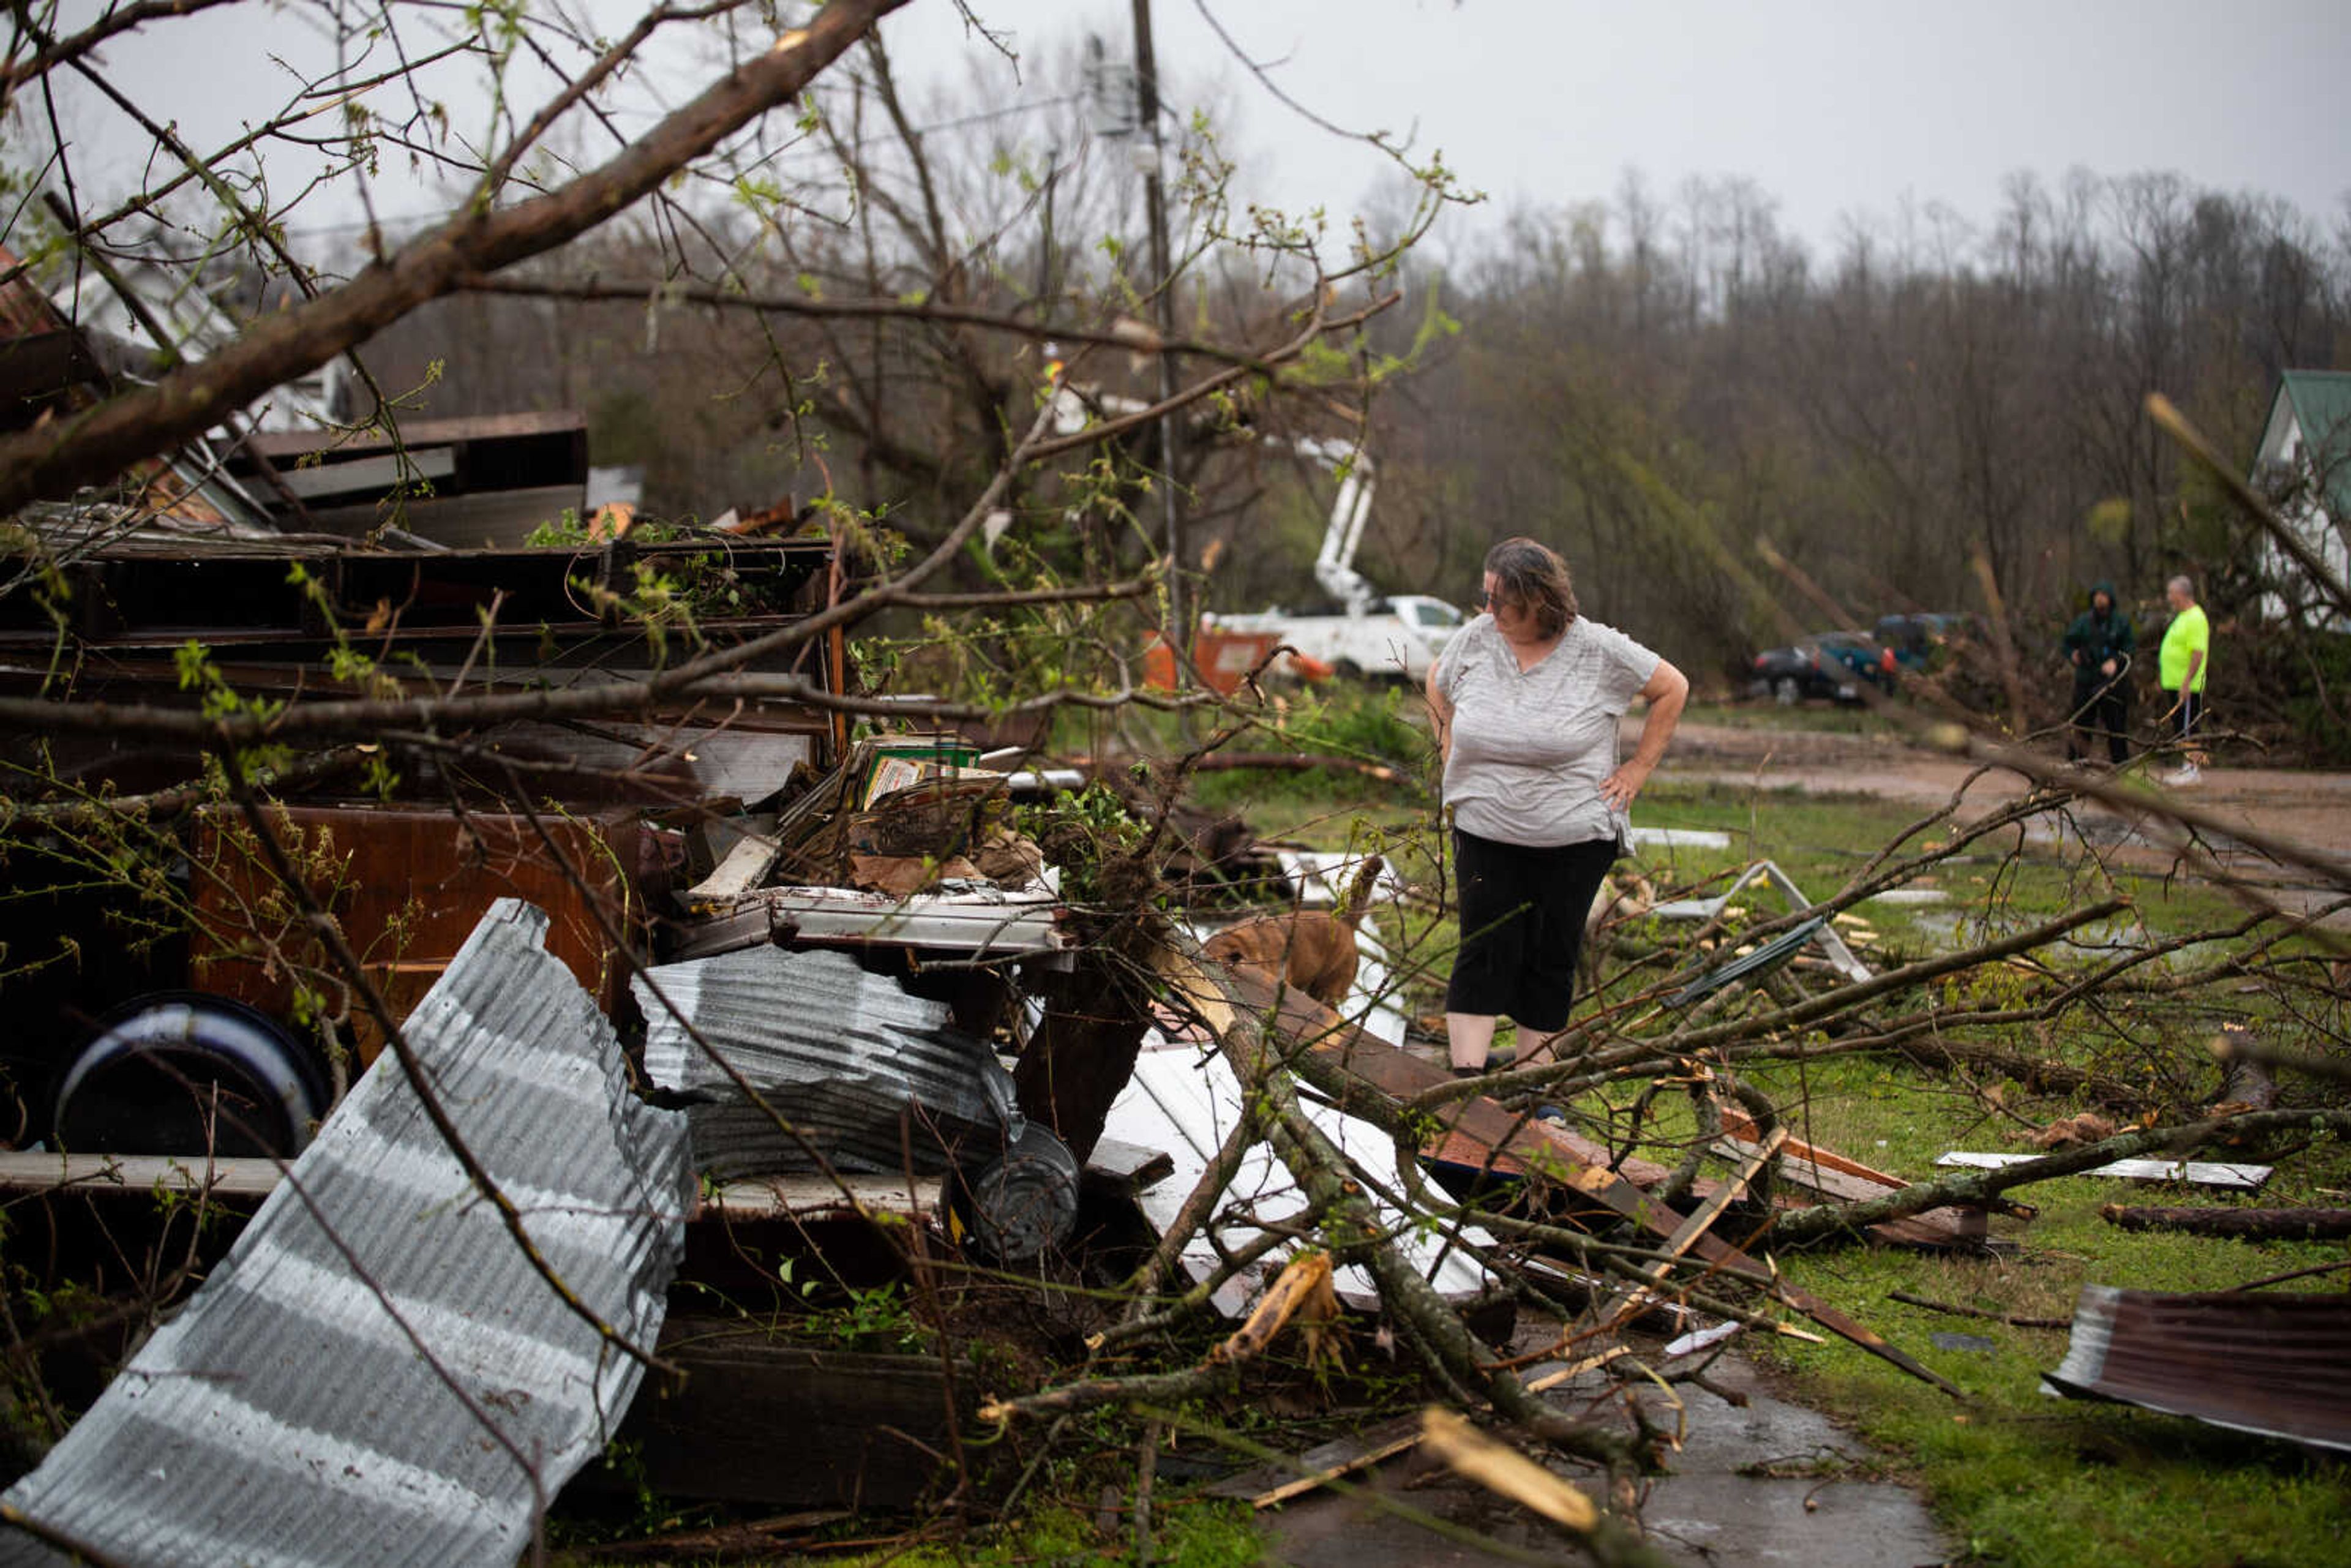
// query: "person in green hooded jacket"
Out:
[2098,644]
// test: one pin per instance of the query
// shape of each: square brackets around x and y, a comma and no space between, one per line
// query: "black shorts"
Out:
[1522,913]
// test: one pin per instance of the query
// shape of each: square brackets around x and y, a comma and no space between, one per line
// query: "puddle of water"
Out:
[1772,1483]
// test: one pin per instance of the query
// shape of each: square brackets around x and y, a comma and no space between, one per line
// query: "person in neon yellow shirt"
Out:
[2182,666]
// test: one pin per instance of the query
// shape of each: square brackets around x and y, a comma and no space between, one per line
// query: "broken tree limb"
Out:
[1503,1469]
[1303,1287]
[1172,1388]
[1750,1037]
[1234,1263]
[1845,998]
[1843,1179]
[2232,1048]
[2245,1224]
[58,455]
[1391,1089]
[2280,533]
[2245,1079]
[1353,1231]
[1982,1185]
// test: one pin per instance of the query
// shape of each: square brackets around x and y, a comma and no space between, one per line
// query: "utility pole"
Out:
[1154,197]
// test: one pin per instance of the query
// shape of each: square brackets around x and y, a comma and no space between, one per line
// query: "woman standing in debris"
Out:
[1526,699]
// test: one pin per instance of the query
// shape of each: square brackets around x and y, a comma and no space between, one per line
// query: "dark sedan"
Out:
[1825,664]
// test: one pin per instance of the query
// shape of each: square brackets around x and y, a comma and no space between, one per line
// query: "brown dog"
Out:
[1313,950]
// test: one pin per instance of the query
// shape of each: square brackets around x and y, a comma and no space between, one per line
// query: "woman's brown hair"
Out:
[1532,574]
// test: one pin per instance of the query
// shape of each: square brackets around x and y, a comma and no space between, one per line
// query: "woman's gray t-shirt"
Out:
[1531,747]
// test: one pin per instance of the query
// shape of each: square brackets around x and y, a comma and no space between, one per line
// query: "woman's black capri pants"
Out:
[1522,913]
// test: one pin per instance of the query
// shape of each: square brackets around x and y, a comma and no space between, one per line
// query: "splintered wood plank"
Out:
[1702,1220]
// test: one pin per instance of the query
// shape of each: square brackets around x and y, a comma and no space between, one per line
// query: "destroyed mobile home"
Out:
[512,1090]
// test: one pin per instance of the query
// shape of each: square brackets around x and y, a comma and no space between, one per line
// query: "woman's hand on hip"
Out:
[1619,788]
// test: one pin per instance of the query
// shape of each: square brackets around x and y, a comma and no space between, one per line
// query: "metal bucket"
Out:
[1019,1205]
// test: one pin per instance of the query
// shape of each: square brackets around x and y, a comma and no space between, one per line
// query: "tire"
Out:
[1348,670]
[156,1073]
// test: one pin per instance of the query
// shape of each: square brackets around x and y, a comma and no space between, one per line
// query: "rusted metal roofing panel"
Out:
[2248,1360]
[843,1054]
[288,1416]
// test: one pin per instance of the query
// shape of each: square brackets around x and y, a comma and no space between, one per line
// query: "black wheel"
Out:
[1348,670]
[180,1072]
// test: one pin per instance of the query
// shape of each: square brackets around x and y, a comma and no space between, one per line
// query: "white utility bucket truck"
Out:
[1363,633]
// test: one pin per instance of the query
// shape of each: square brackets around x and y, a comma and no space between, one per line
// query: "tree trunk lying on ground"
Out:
[2248,1224]
[1349,1227]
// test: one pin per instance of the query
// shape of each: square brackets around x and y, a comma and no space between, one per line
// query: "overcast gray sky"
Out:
[1834,106]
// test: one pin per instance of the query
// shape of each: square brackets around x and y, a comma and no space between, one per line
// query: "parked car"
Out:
[1825,664]
[1915,638]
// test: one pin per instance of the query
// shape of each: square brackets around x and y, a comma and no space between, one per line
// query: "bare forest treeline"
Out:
[1658,385]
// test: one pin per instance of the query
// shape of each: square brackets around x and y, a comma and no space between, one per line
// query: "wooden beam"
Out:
[1702,1220]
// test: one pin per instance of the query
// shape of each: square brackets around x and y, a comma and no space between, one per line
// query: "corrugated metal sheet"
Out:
[845,1054]
[991,923]
[2248,1360]
[286,1418]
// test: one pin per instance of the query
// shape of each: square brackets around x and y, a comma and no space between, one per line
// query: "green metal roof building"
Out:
[2308,436]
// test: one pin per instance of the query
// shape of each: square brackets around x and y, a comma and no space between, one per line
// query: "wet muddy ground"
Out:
[1770,1483]
[2310,809]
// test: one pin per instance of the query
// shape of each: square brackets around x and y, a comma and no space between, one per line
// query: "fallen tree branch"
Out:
[1981,1186]
[1741,1036]
[1353,1233]
[2245,1224]
[58,455]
